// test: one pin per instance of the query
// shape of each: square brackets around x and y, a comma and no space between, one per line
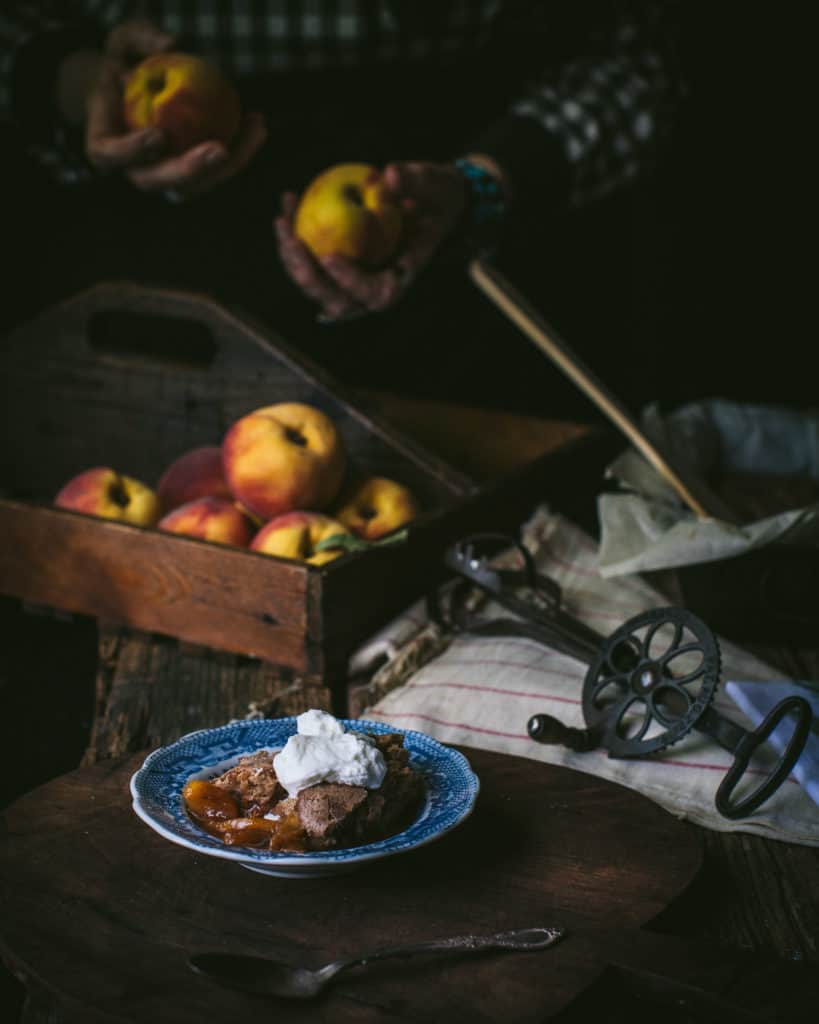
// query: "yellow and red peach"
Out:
[196,474]
[347,211]
[213,519]
[284,457]
[102,491]
[188,99]
[296,535]
[376,506]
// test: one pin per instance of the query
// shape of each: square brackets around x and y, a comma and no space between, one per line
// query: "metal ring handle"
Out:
[747,747]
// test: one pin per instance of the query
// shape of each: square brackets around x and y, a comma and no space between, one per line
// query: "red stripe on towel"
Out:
[450,725]
[493,689]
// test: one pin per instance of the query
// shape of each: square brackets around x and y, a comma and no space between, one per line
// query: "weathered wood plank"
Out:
[205,593]
[131,377]
[151,690]
[105,912]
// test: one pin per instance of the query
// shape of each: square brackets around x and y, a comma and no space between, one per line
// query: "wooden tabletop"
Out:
[753,895]
[544,846]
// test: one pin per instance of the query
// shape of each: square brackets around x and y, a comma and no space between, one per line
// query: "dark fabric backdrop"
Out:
[684,286]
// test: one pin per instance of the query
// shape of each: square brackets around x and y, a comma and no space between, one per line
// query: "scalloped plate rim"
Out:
[319,862]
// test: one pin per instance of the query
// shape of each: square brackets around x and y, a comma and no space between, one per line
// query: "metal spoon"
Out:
[270,977]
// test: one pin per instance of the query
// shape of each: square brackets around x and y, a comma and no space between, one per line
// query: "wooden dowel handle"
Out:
[521,313]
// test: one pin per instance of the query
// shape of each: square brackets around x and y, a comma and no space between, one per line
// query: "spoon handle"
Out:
[521,939]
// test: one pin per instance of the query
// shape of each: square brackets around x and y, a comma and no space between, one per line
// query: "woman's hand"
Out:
[432,196]
[139,155]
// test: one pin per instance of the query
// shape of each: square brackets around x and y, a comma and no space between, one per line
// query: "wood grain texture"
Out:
[132,377]
[483,443]
[236,600]
[150,690]
[128,372]
[103,911]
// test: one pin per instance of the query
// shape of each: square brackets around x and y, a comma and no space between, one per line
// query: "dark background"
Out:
[686,285]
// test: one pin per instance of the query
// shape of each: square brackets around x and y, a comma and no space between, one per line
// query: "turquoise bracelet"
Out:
[486,205]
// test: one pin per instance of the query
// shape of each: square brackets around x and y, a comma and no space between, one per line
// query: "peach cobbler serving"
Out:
[327,788]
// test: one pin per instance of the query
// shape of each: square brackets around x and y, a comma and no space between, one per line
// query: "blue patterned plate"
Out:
[451,791]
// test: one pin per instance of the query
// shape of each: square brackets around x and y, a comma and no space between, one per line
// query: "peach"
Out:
[283,457]
[188,99]
[296,534]
[347,211]
[196,474]
[376,506]
[102,491]
[214,519]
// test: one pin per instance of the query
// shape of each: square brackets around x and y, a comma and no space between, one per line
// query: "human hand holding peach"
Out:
[188,99]
[109,144]
[101,491]
[431,196]
[213,519]
[178,127]
[349,211]
[298,534]
[284,457]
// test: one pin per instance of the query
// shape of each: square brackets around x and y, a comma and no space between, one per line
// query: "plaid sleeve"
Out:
[595,122]
[35,37]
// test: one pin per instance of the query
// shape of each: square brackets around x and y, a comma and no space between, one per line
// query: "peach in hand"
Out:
[102,491]
[376,506]
[347,211]
[213,519]
[283,457]
[196,474]
[296,534]
[188,99]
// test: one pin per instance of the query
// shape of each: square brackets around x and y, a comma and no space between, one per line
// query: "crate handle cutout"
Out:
[152,338]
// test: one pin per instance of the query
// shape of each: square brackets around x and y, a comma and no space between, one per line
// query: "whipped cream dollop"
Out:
[323,751]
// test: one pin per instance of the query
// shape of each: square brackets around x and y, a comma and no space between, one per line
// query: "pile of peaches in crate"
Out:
[277,484]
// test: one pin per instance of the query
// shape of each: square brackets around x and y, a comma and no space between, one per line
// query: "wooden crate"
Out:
[132,377]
